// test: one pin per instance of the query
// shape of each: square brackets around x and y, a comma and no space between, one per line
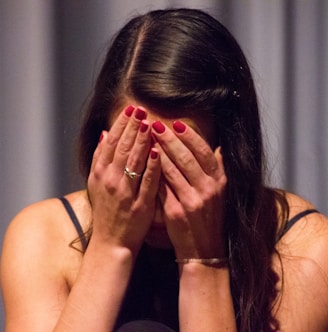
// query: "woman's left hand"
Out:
[193,192]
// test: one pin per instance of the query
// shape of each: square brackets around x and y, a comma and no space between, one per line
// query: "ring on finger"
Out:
[132,175]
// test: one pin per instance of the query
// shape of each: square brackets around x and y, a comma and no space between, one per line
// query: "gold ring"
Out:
[130,174]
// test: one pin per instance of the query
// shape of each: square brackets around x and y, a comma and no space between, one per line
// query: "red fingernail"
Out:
[179,127]
[101,137]
[129,110]
[140,114]
[158,127]
[153,154]
[144,126]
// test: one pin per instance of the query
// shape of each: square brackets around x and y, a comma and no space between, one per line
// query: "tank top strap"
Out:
[290,223]
[75,222]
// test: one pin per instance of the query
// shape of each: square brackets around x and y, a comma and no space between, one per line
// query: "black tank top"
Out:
[290,223]
[153,291]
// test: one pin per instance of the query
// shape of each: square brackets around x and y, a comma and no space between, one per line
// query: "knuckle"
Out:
[223,180]
[185,158]
[134,209]
[209,191]
[90,183]
[124,147]
[208,188]
[97,171]
[147,179]
[138,208]
[170,172]
[195,204]
[142,140]
[102,178]
[133,162]
[175,214]
[111,139]
[109,186]
[205,151]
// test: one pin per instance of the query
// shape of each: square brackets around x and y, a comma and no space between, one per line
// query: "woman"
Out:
[176,225]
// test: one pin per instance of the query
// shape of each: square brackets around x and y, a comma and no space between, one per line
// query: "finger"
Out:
[197,145]
[173,209]
[137,158]
[167,196]
[219,159]
[179,153]
[128,137]
[174,176]
[110,141]
[150,180]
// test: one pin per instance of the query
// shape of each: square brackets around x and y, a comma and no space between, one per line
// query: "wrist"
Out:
[110,252]
[199,278]
[205,297]
[117,243]
[217,262]
[195,269]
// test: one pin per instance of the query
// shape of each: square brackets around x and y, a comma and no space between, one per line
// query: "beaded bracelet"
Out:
[206,261]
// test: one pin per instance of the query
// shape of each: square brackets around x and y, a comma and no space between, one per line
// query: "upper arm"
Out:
[34,289]
[303,301]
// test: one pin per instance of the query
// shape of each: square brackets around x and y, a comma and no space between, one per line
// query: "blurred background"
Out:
[51,51]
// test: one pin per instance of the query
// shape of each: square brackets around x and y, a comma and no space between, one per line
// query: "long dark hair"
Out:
[184,62]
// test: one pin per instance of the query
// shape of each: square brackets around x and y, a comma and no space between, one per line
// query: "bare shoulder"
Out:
[43,230]
[35,219]
[309,230]
[33,227]
[35,261]
[36,232]
[308,237]
[303,263]
[46,218]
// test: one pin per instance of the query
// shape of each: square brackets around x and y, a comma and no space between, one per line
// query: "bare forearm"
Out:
[94,301]
[205,302]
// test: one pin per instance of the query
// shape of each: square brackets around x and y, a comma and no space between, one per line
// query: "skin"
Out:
[177,202]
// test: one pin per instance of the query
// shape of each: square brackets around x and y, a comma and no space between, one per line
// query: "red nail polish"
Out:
[129,110]
[158,127]
[179,127]
[101,137]
[140,114]
[143,126]
[153,154]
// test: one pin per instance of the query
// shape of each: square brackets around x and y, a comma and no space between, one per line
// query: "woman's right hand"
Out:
[122,207]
